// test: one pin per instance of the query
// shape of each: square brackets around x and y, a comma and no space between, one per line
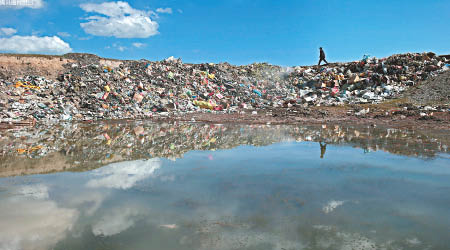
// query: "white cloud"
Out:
[124,175]
[117,46]
[91,201]
[332,205]
[139,45]
[111,9]
[117,221]
[63,34]
[7,31]
[29,222]
[19,4]
[164,10]
[120,20]
[34,44]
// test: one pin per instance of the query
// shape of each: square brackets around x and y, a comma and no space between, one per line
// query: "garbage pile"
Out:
[90,90]
[370,80]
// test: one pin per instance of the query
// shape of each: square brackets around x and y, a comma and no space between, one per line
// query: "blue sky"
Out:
[237,31]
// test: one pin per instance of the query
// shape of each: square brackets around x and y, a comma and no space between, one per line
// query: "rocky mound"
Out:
[433,91]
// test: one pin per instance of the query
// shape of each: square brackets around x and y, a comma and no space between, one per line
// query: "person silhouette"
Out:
[323,148]
[322,57]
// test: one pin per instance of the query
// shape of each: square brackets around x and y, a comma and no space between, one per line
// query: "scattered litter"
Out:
[88,90]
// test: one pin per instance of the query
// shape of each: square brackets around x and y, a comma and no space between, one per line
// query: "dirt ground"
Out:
[394,117]
[48,66]
[18,65]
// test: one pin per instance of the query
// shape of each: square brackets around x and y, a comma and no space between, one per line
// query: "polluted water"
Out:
[141,185]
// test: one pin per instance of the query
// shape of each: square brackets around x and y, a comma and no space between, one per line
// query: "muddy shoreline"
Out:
[325,115]
[394,118]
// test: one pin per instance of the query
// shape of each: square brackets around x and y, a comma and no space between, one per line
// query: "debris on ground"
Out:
[91,90]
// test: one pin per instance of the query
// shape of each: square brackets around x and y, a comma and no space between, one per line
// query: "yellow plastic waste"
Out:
[339,77]
[211,76]
[203,104]
[107,89]
[28,150]
[23,85]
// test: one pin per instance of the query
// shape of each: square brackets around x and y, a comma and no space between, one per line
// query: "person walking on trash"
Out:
[322,57]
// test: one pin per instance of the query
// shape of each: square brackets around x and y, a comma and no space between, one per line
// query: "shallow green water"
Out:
[194,186]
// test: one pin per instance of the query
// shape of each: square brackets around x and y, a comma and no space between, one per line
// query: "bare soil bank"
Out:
[48,66]
[386,116]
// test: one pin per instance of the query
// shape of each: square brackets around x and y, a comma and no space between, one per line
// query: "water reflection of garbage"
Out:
[80,147]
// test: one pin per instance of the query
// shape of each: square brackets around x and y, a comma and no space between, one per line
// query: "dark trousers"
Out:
[322,59]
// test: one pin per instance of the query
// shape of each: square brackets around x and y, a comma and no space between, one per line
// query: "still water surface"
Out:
[197,186]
